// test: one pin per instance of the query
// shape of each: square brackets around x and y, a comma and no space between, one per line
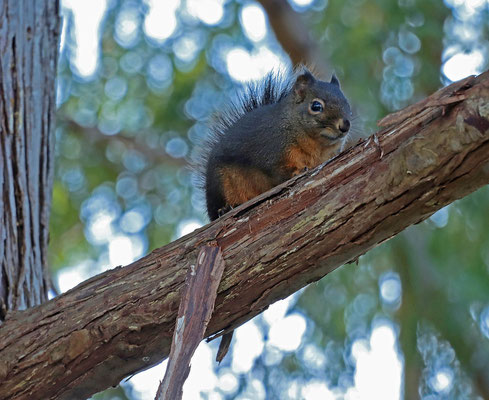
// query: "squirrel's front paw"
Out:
[300,171]
[224,210]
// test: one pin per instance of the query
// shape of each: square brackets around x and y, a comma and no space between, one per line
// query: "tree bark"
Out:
[121,321]
[29,34]
[196,306]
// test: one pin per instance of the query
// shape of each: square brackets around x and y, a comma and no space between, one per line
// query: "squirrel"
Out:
[278,129]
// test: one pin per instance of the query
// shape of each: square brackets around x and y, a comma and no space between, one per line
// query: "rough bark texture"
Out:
[196,306]
[29,34]
[121,321]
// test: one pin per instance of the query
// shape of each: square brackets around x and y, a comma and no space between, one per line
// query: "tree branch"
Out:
[293,35]
[121,321]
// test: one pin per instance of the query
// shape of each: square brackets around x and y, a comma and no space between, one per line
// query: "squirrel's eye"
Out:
[316,106]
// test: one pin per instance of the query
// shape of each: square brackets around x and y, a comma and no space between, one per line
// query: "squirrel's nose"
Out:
[343,125]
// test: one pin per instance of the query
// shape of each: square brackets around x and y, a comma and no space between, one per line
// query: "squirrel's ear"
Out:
[302,84]
[335,81]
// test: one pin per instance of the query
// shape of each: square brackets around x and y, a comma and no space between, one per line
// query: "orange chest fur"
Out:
[241,184]
[308,153]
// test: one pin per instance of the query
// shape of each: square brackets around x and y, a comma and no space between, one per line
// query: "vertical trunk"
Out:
[410,316]
[29,32]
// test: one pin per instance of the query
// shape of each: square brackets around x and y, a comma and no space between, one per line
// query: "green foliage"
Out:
[127,134]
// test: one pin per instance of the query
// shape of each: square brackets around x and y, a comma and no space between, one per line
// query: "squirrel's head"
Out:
[322,107]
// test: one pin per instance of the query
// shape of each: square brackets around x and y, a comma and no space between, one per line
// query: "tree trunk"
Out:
[29,32]
[424,291]
[121,321]
[409,314]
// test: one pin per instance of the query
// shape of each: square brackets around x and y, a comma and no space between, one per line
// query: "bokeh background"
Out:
[137,83]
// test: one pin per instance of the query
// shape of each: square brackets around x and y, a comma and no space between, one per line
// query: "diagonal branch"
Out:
[121,321]
[293,35]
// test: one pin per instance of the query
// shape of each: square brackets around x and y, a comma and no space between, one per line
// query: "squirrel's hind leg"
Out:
[240,184]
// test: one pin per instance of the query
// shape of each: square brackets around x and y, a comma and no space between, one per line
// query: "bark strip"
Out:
[122,321]
[194,313]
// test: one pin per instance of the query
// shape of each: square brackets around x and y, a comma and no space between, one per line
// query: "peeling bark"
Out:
[198,298]
[121,321]
[29,33]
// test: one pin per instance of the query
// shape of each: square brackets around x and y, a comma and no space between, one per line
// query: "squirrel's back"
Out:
[277,129]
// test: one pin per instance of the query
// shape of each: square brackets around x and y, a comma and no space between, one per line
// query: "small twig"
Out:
[224,346]
[196,306]
[375,138]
